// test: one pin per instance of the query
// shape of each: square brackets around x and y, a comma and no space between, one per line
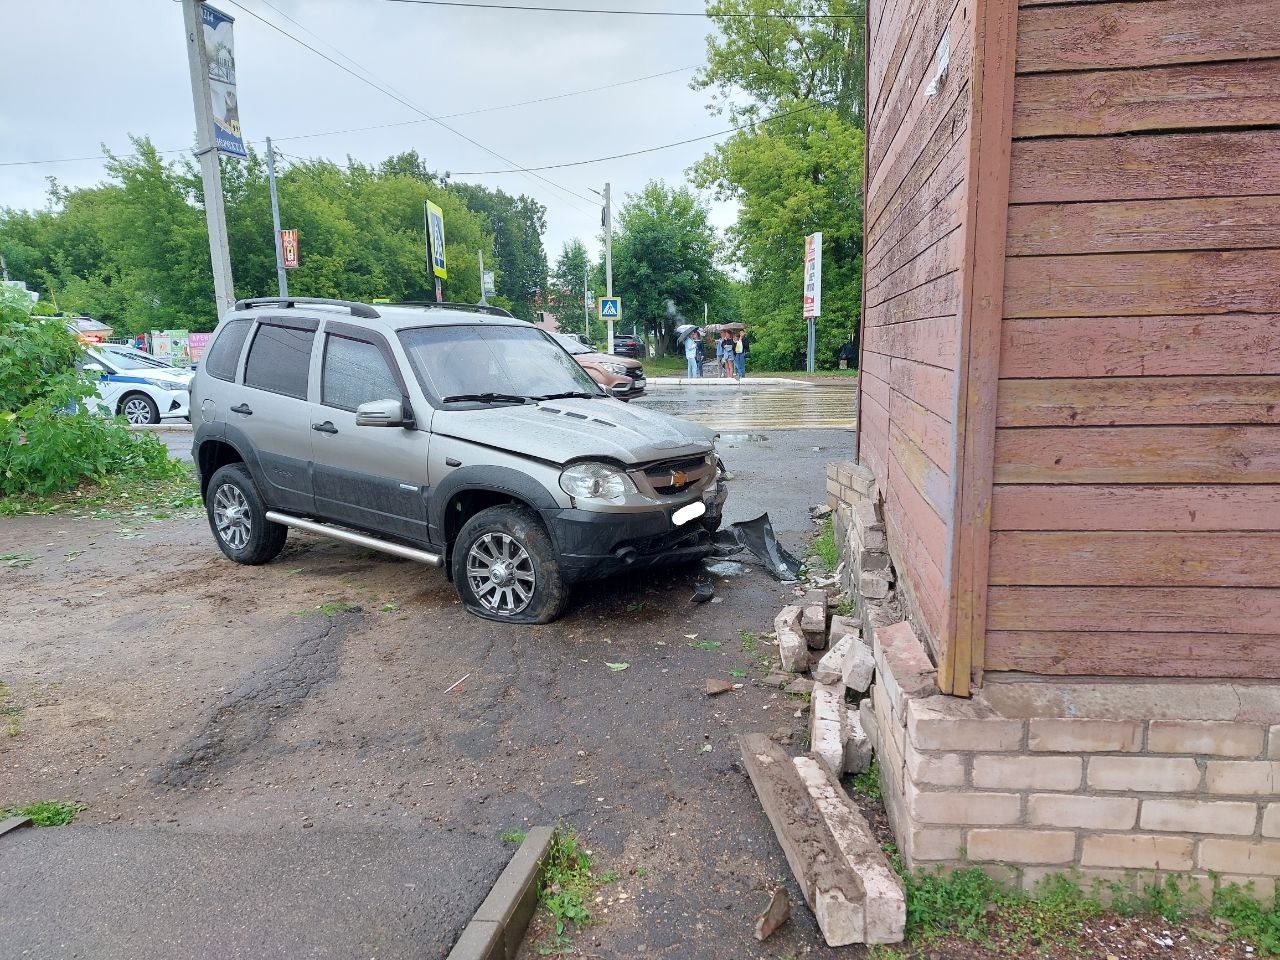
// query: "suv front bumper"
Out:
[594,545]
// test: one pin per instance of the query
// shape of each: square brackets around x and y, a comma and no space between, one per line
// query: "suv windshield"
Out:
[572,344]
[133,360]
[493,364]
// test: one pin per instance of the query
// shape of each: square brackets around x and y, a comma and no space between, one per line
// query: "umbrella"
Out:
[683,331]
[732,327]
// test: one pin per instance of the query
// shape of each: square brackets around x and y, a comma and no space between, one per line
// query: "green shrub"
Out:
[50,440]
[1256,922]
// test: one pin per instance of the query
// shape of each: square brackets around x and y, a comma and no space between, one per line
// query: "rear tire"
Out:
[238,518]
[505,567]
[138,409]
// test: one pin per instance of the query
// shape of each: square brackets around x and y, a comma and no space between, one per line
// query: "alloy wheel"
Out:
[501,574]
[231,516]
[137,411]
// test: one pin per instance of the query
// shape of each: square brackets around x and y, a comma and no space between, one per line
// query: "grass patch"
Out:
[705,644]
[750,642]
[11,717]
[565,888]
[150,498]
[45,813]
[867,783]
[515,837]
[331,609]
[1165,899]
[824,545]
[1254,921]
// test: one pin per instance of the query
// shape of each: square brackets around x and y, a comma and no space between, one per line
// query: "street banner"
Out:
[171,346]
[435,241]
[197,343]
[220,54]
[487,284]
[813,275]
[289,247]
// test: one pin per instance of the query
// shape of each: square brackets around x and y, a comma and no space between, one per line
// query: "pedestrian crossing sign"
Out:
[610,308]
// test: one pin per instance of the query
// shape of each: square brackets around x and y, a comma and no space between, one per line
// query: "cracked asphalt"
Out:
[264,779]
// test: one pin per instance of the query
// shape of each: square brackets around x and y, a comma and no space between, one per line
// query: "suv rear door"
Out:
[373,478]
[268,411]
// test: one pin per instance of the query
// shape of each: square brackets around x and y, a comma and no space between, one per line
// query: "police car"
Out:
[138,386]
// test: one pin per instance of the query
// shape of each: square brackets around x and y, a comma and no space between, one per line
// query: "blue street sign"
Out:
[610,308]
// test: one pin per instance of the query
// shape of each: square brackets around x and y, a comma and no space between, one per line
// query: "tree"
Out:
[664,261]
[517,225]
[565,290]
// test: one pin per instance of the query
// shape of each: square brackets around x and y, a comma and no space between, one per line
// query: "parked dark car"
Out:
[625,345]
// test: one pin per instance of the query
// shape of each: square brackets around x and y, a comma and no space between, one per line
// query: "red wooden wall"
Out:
[917,164]
[1135,523]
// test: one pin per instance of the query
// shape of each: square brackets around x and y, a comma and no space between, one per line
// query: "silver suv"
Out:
[454,435]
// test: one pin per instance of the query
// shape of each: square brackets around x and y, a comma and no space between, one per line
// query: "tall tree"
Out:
[565,289]
[517,225]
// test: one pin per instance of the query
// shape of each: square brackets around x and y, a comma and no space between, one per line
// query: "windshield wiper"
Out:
[568,394]
[487,398]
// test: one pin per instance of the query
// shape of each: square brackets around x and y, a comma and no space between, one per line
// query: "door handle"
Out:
[242,408]
[326,427]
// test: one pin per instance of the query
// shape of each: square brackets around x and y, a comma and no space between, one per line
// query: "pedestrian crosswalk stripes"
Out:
[725,408]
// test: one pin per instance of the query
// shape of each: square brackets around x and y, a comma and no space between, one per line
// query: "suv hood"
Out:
[564,430]
[627,362]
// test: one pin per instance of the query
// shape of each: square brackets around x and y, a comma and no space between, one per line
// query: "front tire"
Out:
[506,569]
[238,518]
[139,409]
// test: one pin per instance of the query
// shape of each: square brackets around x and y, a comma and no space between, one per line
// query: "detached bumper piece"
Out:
[757,536]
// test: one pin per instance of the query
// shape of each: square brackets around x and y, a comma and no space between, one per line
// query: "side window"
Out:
[279,360]
[225,352]
[355,372]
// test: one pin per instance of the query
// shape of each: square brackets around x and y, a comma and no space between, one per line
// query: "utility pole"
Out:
[586,302]
[608,255]
[483,301]
[4,269]
[281,276]
[224,292]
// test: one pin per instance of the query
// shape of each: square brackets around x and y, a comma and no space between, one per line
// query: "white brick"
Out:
[1144,774]
[1085,736]
[946,723]
[1137,852]
[1243,778]
[932,843]
[1021,846]
[1271,820]
[1074,810]
[934,769]
[1027,773]
[1240,856]
[1199,816]
[830,668]
[1205,737]
[951,808]
[857,746]
[859,667]
[826,726]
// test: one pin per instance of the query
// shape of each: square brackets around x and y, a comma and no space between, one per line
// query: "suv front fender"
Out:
[504,482]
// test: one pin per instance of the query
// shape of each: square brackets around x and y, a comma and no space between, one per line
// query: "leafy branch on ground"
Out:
[565,888]
[45,813]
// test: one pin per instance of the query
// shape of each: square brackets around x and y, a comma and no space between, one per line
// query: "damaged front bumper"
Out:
[593,545]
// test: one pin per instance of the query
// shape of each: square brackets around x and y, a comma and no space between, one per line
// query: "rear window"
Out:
[355,372]
[279,360]
[225,352]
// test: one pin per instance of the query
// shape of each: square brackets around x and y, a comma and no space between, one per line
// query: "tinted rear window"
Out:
[225,353]
[279,360]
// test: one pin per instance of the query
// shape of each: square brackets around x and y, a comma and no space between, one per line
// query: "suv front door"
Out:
[373,478]
[268,415]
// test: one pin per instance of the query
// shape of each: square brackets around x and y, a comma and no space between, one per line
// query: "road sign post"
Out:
[812,292]
[610,309]
[433,218]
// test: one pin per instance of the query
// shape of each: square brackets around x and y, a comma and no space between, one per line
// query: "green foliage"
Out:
[867,783]
[565,294]
[1254,921]
[824,545]
[514,837]
[1164,898]
[750,642]
[516,225]
[566,885]
[50,440]
[45,813]
[939,903]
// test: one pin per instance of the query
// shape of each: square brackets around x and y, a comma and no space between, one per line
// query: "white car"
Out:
[138,386]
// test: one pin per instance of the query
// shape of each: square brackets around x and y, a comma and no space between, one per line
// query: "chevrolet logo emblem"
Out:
[678,478]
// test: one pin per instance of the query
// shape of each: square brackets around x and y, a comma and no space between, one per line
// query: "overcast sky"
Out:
[79,73]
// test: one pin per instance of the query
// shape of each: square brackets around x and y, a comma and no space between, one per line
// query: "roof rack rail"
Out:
[472,307]
[357,309]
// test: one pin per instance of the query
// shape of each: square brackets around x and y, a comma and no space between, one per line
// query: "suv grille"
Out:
[666,477]
[636,373]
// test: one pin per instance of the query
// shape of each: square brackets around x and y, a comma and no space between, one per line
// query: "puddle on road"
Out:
[738,439]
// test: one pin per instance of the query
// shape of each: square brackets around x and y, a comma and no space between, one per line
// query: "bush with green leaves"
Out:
[51,440]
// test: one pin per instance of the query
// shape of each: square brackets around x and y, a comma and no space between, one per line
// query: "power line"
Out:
[633,13]
[402,100]
[384,126]
[634,153]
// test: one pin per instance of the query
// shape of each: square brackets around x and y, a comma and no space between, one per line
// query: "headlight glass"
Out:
[617,369]
[596,481]
[164,384]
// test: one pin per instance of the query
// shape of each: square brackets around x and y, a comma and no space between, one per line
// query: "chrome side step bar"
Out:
[359,539]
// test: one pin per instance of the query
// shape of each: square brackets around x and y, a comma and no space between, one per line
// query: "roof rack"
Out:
[471,307]
[357,309]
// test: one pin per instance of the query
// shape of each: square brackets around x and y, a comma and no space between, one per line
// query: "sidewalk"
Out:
[746,382]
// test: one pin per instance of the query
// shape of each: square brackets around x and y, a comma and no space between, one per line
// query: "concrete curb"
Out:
[498,927]
[13,823]
[178,427]
[746,383]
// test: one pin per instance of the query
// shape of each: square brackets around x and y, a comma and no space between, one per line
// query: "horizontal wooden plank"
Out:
[1127,507]
[937,260]
[886,47]
[876,389]
[903,217]
[873,426]
[1133,559]
[876,364]
[1178,654]
[1087,36]
[944,217]
[1239,343]
[1189,96]
[931,341]
[918,573]
[1138,455]
[939,297]
[1145,166]
[1154,609]
[928,431]
[930,481]
[1129,226]
[1114,401]
[1143,284]
[931,387]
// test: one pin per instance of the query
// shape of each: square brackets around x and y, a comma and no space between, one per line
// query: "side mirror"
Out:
[380,413]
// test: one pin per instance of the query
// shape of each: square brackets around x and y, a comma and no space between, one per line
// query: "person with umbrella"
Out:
[692,347]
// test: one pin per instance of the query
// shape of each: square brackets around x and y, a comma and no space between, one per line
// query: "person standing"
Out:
[724,353]
[692,346]
[740,354]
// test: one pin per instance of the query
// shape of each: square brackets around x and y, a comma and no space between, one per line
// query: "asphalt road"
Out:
[262,779]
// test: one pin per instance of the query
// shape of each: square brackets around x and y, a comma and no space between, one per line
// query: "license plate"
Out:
[690,511]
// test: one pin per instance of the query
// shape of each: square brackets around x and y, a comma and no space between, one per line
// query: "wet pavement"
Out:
[745,409]
[247,760]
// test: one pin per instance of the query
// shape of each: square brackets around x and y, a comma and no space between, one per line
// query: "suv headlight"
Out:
[164,384]
[617,369]
[595,481]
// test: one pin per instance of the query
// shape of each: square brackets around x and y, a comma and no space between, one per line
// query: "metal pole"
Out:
[813,335]
[282,278]
[224,292]
[586,302]
[608,255]
[483,301]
